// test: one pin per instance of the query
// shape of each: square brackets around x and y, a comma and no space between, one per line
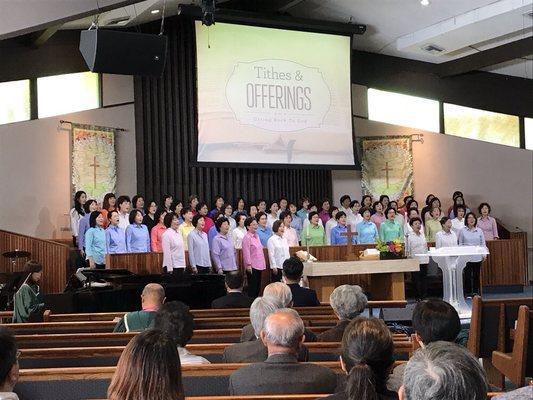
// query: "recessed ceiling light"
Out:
[424,2]
[155,11]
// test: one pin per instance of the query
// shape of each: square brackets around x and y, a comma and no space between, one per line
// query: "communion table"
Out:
[386,276]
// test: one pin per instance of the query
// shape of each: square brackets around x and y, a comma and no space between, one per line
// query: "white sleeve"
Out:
[74,222]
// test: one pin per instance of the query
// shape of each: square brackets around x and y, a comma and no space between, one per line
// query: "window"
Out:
[401,109]
[63,94]
[481,125]
[14,101]
[528,128]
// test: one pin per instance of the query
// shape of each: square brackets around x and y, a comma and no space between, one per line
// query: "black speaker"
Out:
[128,53]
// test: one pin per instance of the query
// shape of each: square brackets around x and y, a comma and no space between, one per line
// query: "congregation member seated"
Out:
[523,393]
[443,371]
[28,303]
[235,298]
[255,350]
[347,301]
[281,295]
[152,298]
[292,273]
[367,358]
[176,320]
[9,367]
[433,320]
[149,368]
[281,373]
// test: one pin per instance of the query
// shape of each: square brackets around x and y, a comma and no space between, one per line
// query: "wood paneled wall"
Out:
[52,255]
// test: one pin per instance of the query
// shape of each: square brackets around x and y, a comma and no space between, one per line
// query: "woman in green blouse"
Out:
[28,303]
[313,234]
[390,229]
[433,224]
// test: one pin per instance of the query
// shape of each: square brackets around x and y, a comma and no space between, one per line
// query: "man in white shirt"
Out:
[9,366]
[278,249]
[446,237]
[123,205]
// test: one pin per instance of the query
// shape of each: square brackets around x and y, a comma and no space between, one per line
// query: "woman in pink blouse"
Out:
[378,217]
[486,223]
[156,235]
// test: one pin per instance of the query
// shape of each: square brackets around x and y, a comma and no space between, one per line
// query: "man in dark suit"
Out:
[281,373]
[293,269]
[254,350]
[235,298]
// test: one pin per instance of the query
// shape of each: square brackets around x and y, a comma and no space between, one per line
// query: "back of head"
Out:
[234,280]
[260,309]
[293,268]
[8,356]
[175,320]
[148,369]
[279,293]
[284,328]
[348,301]
[444,371]
[153,294]
[367,353]
[435,320]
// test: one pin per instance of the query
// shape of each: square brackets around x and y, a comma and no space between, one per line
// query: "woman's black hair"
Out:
[147,206]
[219,222]
[393,201]
[87,205]
[259,215]
[238,217]
[353,203]
[364,197]
[216,199]
[345,197]
[164,199]
[457,207]
[175,204]
[238,201]
[363,210]
[200,205]
[466,218]
[197,218]
[443,220]
[158,212]
[92,218]
[429,197]
[412,221]
[339,215]
[110,214]
[382,197]
[133,214]
[134,200]
[311,215]
[167,221]
[376,204]
[433,200]
[457,193]
[411,202]
[483,205]
[387,211]
[105,203]
[77,205]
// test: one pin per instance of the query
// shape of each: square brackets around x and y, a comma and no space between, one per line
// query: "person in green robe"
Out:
[390,229]
[28,302]
[152,298]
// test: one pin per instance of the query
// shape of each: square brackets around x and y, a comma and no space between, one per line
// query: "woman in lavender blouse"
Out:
[471,235]
[486,223]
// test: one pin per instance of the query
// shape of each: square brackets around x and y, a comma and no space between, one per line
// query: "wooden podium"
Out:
[386,276]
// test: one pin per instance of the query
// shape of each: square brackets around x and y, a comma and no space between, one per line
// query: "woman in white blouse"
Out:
[238,233]
[289,233]
[332,223]
[272,216]
[416,244]
[173,246]
[278,249]
[228,211]
[76,213]
[446,237]
[411,213]
[458,223]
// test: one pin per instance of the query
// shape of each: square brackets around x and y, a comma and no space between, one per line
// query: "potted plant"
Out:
[390,250]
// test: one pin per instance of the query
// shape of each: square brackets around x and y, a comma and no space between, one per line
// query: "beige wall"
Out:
[500,175]
[35,185]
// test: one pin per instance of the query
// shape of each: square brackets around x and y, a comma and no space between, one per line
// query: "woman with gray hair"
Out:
[347,301]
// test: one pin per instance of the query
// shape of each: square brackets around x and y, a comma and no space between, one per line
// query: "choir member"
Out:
[238,233]
[433,224]
[95,241]
[157,232]
[390,229]
[312,208]
[366,201]
[411,213]
[283,205]
[313,234]
[289,232]
[123,206]
[324,212]
[218,203]
[109,204]
[198,246]
[137,236]
[367,231]
[399,216]
[253,256]
[303,212]
[434,203]
[487,223]
[76,213]
[416,244]
[172,246]
[115,236]
[446,237]
[253,211]
[261,205]
[176,208]
[222,249]
[28,304]
[240,207]
[88,207]
[186,227]
[345,202]
[471,235]
[149,216]
[213,230]
[354,217]
[457,201]
[384,200]
[337,236]
[228,212]
[193,203]
[427,207]
[458,223]
[202,209]
[166,202]
[272,215]
[263,231]
[405,206]
[137,202]
[332,223]
[377,214]
[278,249]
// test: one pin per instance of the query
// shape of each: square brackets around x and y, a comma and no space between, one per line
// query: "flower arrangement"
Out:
[392,249]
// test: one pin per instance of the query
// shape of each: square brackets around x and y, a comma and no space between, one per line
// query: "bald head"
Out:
[283,331]
[153,295]
[280,293]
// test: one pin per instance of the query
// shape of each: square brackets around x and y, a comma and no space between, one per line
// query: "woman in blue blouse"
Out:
[95,246]
[137,236]
[337,233]
[367,231]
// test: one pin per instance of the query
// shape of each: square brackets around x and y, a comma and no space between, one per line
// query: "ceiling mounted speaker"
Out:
[117,52]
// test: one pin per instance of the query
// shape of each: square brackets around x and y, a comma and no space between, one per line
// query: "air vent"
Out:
[117,21]
[432,49]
